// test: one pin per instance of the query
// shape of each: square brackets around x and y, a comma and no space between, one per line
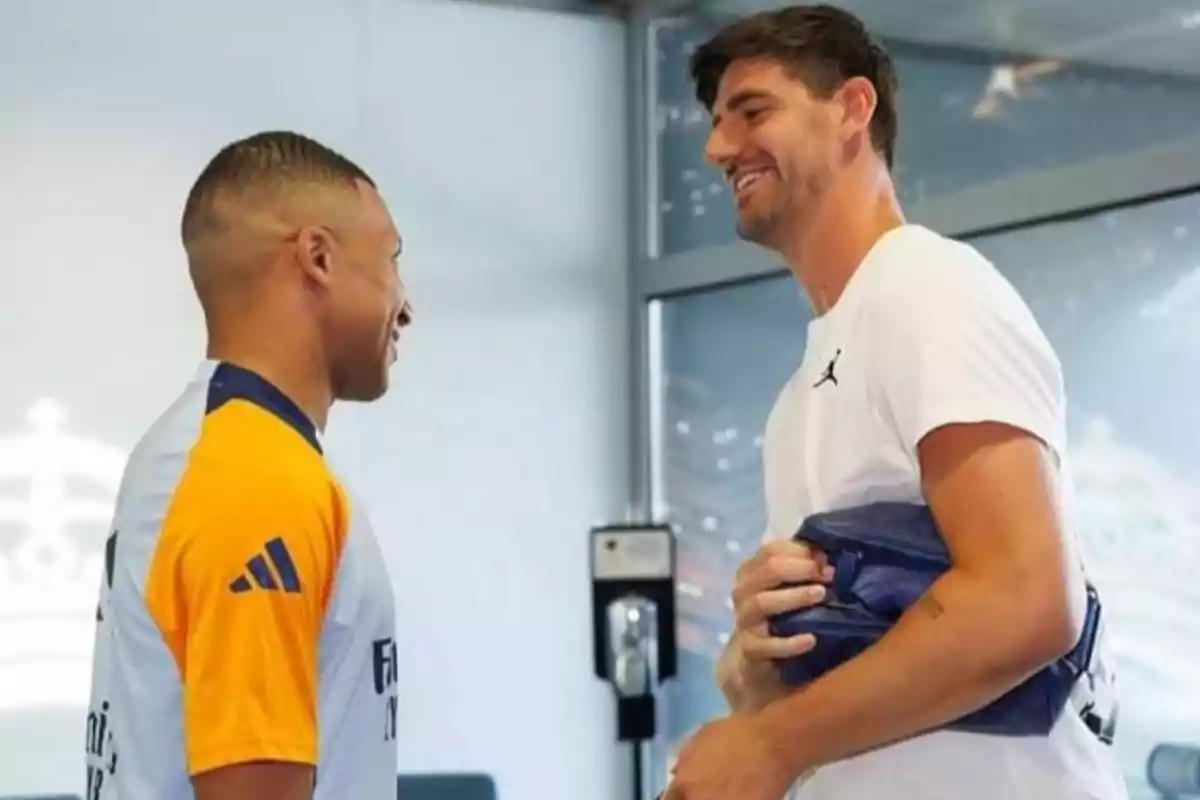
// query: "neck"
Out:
[829,246]
[294,370]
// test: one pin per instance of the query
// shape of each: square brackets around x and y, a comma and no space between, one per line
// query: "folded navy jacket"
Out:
[885,556]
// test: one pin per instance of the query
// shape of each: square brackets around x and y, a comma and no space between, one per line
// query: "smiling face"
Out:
[365,304]
[777,144]
[801,97]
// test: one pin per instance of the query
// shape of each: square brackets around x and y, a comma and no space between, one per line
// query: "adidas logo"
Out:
[283,576]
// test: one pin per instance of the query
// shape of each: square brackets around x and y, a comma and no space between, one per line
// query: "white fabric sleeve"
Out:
[953,342]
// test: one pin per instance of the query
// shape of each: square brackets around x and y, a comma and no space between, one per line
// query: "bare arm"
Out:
[252,781]
[1002,612]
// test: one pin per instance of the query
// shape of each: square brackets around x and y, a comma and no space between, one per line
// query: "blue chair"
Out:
[1173,770]
[452,786]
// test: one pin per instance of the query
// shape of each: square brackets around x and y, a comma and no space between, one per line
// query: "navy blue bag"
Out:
[885,555]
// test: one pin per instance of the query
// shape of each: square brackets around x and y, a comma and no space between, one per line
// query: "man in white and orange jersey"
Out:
[245,642]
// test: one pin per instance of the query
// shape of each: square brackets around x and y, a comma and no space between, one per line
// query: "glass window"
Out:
[965,121]
[726,354]
[1119,296]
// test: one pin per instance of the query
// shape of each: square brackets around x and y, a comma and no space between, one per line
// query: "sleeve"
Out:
[255,578]
[955,343]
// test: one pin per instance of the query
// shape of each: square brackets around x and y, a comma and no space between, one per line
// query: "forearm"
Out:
[964,644]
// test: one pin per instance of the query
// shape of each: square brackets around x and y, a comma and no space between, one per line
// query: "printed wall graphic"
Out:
[57,494]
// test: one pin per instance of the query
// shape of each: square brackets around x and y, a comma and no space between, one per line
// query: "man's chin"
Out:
[758,230]
[367,391]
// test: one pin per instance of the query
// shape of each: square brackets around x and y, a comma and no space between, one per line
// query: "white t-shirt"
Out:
[926,333]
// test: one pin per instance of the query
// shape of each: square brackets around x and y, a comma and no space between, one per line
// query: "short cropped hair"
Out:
[265,161]
[820,45]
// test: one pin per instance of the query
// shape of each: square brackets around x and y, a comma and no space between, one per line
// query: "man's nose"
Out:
[719,149]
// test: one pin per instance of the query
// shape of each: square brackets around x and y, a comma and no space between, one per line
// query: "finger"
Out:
[773,648]
[750,564]
[764,605]
[794,548]
[772,573]
[779,571]
[788,548]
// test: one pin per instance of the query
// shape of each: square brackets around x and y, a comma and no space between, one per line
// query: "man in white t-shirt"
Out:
[925,379]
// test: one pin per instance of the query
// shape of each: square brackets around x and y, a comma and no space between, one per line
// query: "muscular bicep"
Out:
[256,780]
[994,492]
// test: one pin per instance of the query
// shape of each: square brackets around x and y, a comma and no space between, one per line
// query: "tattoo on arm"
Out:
[931,605]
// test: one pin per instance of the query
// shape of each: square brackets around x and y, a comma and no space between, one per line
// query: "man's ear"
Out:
[315,252]
[858,99]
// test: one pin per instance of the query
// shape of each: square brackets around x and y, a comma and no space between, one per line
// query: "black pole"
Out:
[638,789]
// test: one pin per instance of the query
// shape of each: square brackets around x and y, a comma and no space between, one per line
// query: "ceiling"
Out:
[1147,35]
[1161,36]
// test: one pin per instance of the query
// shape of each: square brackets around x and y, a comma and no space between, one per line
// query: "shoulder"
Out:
[928,284]
[919,265]
[249,489]
[223,484]
[952,341]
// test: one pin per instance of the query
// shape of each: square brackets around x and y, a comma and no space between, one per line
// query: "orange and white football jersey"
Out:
[246,613]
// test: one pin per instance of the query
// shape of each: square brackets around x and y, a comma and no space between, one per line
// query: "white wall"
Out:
[498,139]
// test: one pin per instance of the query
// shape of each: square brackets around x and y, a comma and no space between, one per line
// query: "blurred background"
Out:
[591,342]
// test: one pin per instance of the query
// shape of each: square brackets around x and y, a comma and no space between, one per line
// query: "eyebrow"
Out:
[740,99]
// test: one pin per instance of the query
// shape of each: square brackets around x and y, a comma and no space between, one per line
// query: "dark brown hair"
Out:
[819,45]
[264,161]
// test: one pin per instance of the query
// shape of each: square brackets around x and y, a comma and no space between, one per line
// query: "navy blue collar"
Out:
[229,382]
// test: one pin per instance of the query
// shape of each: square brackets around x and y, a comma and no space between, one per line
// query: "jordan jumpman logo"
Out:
[827,376]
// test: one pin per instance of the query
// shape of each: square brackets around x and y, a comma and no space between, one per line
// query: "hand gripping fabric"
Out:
[885,556]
